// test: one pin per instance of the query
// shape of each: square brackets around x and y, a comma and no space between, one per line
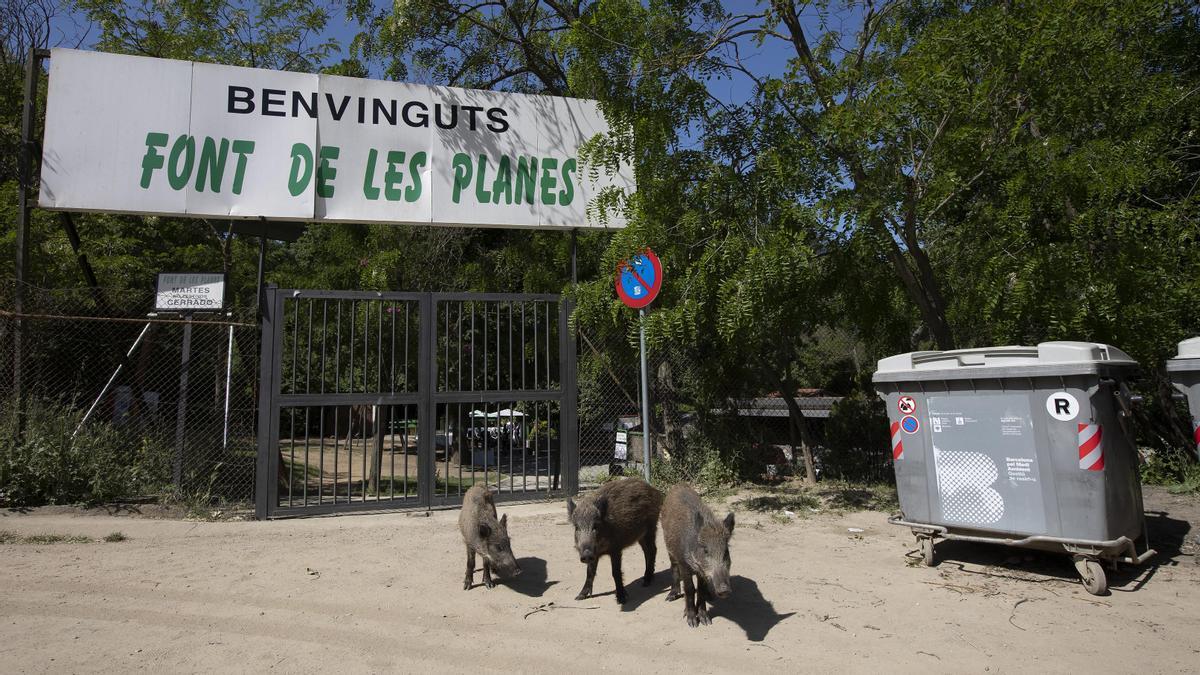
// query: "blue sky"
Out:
[71,29]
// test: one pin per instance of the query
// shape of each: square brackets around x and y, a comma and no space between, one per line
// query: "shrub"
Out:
[857,443]
[1176,469]
[101,464]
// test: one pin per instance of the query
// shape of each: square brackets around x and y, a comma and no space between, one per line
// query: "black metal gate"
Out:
[391,400]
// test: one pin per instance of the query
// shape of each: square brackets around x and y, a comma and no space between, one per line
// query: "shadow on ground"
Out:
[747,607]
[636,594]
[533,581]
[1167,537]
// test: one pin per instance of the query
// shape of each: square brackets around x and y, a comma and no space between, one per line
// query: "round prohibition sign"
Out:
[907,405]
[639,279]
[909,424]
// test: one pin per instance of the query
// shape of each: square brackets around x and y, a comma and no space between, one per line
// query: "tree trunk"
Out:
[798,425]
[933,312]
[665,395]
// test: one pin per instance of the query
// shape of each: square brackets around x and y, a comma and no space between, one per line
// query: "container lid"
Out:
[1188,357]
[1046,359]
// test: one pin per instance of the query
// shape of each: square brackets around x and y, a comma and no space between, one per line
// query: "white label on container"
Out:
[1062,406]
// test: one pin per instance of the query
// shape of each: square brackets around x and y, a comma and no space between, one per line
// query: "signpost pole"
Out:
[181,410]
[228,382]
[647,445]
[574,254]
[33,67]
[262,262]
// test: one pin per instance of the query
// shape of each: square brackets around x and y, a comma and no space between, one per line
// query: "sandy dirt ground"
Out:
[383,593]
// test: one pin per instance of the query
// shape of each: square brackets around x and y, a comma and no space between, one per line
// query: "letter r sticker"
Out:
[1062,406]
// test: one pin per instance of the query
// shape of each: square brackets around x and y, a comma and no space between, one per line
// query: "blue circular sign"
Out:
[639,279]
[910,424]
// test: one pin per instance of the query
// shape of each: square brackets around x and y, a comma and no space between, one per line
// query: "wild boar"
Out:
[486,535]
[697,544]
[610,520]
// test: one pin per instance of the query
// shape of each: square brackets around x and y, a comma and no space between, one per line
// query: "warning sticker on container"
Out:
[985,462]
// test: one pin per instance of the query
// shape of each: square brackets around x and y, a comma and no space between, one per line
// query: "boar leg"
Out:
[587,584]
[615,557]
[651,551]
[676,573]
[487,574]
[470,578]
[689,597]
[701,603]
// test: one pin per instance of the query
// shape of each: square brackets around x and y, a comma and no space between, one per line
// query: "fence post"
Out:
[181,410]
[264,478]
[569,408]
[426,409]
[33,66]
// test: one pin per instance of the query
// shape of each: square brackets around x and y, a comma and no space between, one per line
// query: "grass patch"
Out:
[777,503]
[1175,470]
[113,537]
[858,497]
[42,539]
[834,496]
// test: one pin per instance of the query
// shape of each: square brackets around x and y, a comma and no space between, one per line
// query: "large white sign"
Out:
[189,292]
[141,135]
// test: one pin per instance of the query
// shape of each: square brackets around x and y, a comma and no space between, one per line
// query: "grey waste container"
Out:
[1025,446]
[1184,371]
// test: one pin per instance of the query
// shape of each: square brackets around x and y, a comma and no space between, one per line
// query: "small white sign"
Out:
[1062,406]
[621,451]
[190,292]
[622,437]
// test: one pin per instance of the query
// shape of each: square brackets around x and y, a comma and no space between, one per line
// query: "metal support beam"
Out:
[262,262]
[574,257]
[647,436]
[33,68]
[181,408]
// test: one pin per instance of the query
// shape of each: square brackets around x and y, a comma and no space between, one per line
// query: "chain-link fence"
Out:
[113,412]
[711,422]
[120,403]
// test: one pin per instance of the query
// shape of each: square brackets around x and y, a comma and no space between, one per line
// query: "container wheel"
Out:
[926,544]
[1091,573]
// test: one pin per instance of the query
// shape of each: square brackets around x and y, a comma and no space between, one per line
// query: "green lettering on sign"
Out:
[241,149]
[325,172]
[567,194]
[369,190]
[393,177]
[462,175]
[302,169]
[413,193]
[212,164]
[548,181]
[526,178]
[503,182]
[177,176]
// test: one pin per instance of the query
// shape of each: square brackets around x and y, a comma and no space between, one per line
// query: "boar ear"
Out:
[484,531]
[729,524]
[602,506]
[504,521]
[570,507]
[699,520]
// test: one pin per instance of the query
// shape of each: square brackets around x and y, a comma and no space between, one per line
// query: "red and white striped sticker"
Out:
[897,444]
[1091,455]
[1196,434]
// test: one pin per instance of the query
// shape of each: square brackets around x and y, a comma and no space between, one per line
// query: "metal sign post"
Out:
[646,443]
[188,293]
[181,410]
[638,282]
